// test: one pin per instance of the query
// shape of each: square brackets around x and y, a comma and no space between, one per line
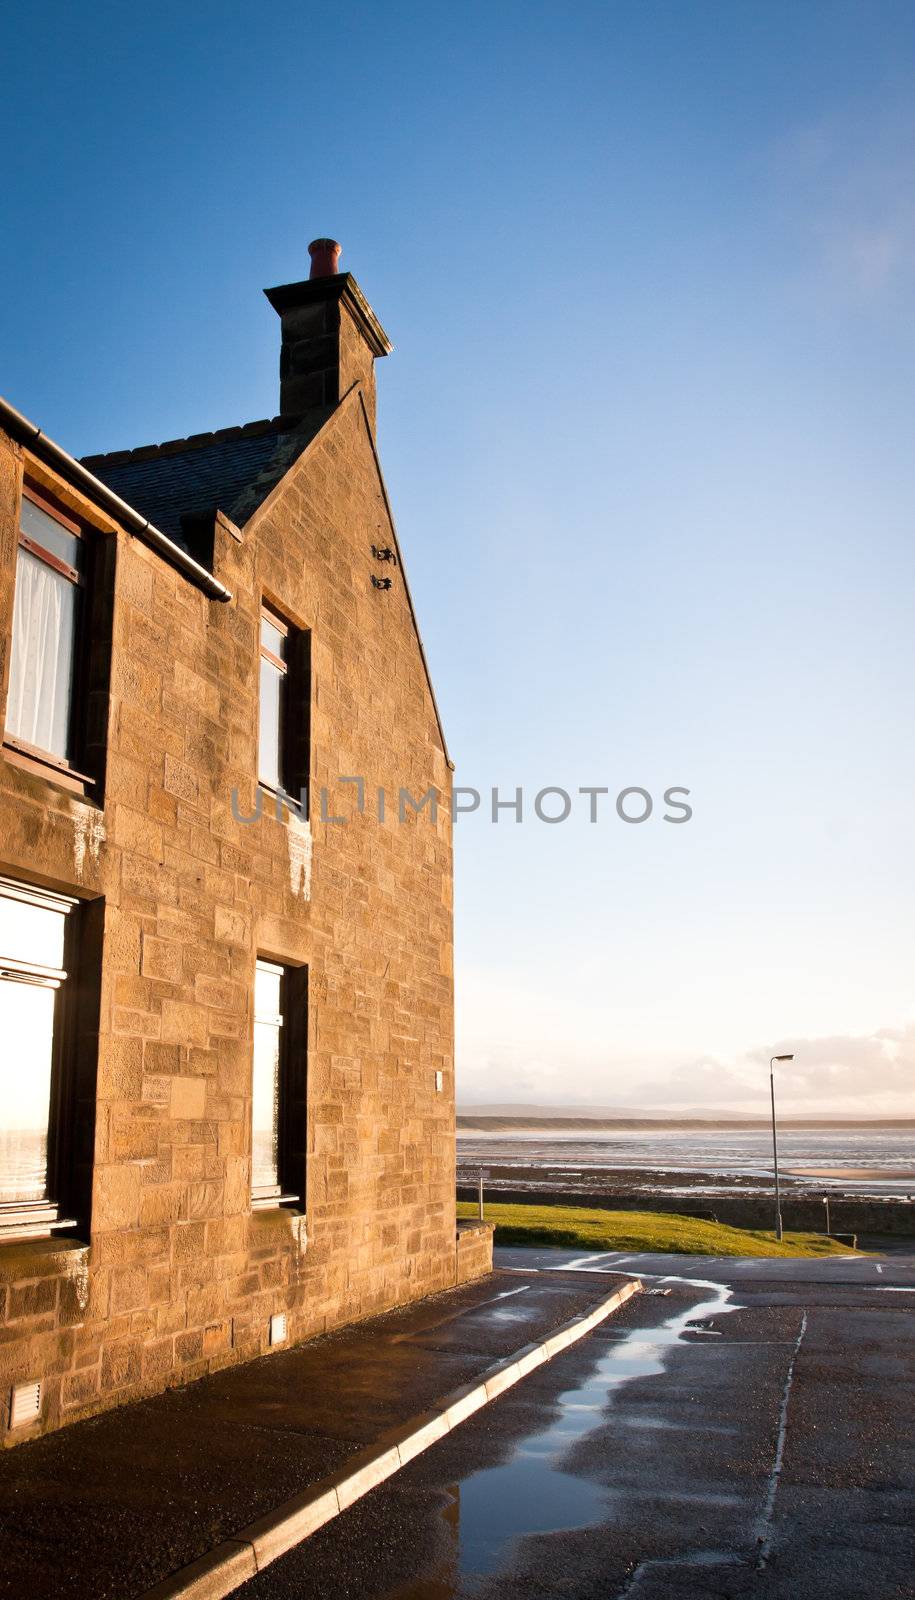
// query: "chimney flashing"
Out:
[341,287]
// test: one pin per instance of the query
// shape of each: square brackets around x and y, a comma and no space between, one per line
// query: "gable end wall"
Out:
[177,1276]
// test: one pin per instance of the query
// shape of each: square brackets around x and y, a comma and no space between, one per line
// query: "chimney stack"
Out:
[331,337]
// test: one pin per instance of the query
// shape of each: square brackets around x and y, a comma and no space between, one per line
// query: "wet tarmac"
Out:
[744,1428]
[532,1493]
[108,1507]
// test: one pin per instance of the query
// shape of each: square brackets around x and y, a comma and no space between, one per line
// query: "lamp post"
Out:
[778,1207]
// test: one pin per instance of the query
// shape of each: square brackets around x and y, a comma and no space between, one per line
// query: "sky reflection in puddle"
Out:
[531,1493]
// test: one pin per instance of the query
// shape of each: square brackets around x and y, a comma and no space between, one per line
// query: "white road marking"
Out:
[877,1267]
[765,1521]
[595,1255]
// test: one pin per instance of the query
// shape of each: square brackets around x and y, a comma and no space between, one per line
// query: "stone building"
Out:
[226,1026]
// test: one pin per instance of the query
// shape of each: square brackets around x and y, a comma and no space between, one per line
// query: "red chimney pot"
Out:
[325,254]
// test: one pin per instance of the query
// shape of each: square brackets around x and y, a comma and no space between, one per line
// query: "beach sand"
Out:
[856,1174]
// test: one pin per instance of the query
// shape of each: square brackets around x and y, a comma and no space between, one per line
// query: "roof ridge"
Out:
[194,441]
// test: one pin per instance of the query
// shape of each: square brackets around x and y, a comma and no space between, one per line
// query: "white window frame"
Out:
[26,1218]
[265,1197]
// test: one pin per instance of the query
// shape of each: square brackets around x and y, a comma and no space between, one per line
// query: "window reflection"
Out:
[268,757]
[31,979]
[265,1121]
[272,763]
[273,639]
[30,930]
[27,1023]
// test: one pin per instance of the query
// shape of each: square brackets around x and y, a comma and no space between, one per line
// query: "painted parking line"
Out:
[584,1263]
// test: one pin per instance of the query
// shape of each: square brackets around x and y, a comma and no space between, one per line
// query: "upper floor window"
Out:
[47,608]
[274,694]
[283,754]
[58,692]
[33,980]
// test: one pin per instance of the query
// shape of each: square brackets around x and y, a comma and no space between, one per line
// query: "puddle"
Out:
[531,1493]
[482,1308]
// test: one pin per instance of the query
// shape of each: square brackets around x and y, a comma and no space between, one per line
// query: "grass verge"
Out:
[580,1227]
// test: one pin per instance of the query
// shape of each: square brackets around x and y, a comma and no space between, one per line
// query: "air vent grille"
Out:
[25,1404]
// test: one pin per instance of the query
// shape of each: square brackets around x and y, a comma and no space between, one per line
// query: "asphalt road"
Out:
[744,1430]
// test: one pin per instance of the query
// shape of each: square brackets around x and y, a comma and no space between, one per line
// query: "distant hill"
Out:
[491,1122]
[526,1108]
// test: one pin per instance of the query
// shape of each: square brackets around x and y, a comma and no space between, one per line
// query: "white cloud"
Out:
[844,1074]
[847,191]
[870,1074]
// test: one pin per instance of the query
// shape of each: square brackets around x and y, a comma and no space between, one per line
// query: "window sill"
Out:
[41,765]
[278,803]
[274,1202]
[23,1221]
[38,1256]
[278,1226]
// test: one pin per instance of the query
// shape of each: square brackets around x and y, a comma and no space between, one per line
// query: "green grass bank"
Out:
[578,1227]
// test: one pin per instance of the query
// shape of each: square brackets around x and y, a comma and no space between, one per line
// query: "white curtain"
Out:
[38,708]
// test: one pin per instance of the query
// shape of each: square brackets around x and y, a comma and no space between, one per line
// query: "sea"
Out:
[858,1159]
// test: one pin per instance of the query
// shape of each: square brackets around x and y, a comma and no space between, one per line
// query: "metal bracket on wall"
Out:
[381,583]
[384,553]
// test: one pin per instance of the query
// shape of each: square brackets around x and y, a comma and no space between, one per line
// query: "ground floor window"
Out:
[33,999]
[278,1085]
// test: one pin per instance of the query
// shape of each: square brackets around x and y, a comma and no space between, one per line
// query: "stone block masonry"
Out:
[169,1272]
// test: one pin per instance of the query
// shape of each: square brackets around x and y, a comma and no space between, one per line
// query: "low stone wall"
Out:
[473,1251]
[803,1214]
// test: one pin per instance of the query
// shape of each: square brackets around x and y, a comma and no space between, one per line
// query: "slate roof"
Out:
[232,470]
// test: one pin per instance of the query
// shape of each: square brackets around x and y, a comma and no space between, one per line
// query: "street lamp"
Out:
[778,1208]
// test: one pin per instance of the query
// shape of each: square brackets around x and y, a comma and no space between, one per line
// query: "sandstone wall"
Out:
[172,1274]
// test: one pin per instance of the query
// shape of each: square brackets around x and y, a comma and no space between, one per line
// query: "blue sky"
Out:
[648,269]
